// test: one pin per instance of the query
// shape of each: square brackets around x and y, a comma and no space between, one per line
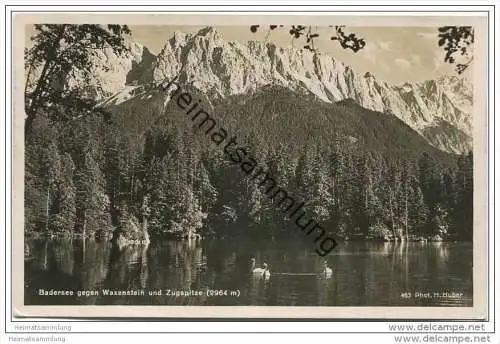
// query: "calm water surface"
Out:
[365,274]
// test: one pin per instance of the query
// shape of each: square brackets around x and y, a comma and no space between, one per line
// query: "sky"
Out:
[393,54]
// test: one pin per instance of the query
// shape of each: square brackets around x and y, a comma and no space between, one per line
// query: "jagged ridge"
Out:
[440,110]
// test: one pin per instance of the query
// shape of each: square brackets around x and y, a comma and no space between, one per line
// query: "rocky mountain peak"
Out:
[209,32]
[220,68]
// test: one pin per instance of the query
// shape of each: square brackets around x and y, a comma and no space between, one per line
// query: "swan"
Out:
[262,272]
[327,271]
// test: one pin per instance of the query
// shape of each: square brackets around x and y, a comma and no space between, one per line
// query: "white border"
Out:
[355,327]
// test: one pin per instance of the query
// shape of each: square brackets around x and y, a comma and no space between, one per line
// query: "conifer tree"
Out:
[92,202]
[65,197]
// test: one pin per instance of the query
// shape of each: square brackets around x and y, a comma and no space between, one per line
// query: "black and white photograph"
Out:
[320,165]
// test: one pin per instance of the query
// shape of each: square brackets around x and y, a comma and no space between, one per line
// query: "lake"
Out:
[364,273]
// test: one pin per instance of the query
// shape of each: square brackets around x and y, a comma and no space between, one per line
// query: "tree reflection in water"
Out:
[364,273]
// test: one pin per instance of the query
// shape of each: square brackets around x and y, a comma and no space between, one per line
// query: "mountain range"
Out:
[438,110]
[116,154]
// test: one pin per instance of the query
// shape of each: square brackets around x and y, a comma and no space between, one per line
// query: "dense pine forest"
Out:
[101,172]
[140,169]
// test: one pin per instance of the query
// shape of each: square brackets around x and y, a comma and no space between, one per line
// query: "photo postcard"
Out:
[243,166]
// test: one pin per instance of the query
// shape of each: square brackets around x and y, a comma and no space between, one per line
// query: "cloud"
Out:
[384,67]
[428,35]
[402,63]
[373,50]
[437,61]
[416,59]
[385,45]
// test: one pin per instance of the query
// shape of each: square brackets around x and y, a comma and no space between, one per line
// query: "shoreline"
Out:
[78,236]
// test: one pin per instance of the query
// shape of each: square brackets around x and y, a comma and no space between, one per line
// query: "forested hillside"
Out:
[133,166]
[139,166]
